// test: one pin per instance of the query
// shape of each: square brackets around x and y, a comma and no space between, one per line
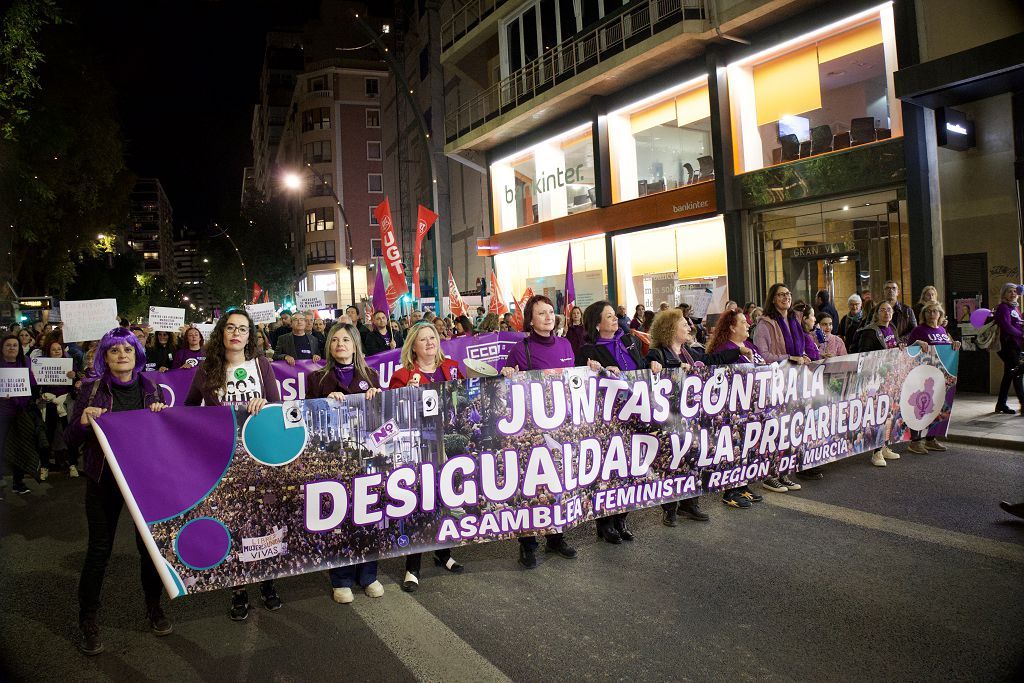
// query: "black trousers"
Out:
[103,503]
[415,561]
[554,540]
[1011,359]
[615,520]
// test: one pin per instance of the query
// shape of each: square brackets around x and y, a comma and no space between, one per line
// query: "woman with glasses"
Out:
[780,336]
[234,373]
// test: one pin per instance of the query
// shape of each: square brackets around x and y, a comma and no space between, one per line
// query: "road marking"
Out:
[922,532]
[429,649]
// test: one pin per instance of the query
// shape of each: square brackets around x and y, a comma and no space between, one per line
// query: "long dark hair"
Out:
[528,310]
[769,304]
[215,366]
[358,359]
[592,318]
[466,323]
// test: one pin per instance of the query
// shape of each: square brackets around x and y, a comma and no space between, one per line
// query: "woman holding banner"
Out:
[671,336]
[346,373]
[118,386]
[423,362]
[15,421]
[54,403]
[732,332]
[877,336]
[191,353]
[931,331]
[609,350]
[540,350]
[234,373]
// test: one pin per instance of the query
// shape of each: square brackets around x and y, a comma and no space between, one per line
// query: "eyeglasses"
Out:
[783,295]
[240,329]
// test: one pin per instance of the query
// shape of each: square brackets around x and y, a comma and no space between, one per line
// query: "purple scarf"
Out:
[623,360]
[344,374]
[793,333]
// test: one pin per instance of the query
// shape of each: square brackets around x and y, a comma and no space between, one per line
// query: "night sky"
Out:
[186,73]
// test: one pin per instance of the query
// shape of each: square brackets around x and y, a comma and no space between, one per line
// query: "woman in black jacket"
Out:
[671,335]
[610,350]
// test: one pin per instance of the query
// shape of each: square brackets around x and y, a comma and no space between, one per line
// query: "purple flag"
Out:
[570,288]
[380,299]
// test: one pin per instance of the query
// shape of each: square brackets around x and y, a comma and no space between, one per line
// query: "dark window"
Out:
[320,252]
[316,152]
[373,87]
[322,186]
[373,216]
[373,150]
[316,119]
[373,118]
[530,35]
[317,83]
[515,55]
[424,64]
[375,182]
[548,25]
[591,12]
[567,15]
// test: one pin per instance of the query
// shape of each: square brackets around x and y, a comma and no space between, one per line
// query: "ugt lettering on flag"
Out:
[389,246]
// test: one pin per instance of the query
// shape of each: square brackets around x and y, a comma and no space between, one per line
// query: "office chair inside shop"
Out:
[821,139]
[862,130]
[790,147]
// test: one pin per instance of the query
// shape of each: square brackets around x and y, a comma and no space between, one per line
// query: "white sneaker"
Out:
[374,590]
[343,596]
[72,471]
[877,459]
[43,473]
[889,454]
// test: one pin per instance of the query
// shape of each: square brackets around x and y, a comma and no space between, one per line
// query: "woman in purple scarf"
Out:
[610,350]
[780,334]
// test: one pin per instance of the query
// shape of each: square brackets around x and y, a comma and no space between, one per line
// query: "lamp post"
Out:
[241,261]
[293,181]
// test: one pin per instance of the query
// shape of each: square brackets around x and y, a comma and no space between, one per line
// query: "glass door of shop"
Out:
[844,246]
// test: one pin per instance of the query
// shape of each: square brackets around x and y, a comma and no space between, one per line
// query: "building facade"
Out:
[282,63]
[150,230]
[687,147]
[190,273]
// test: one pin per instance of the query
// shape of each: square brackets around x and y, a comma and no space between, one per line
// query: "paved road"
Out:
[903,573]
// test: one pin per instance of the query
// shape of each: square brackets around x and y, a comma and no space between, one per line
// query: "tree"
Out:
[62,179]
[262,237]
[20,55]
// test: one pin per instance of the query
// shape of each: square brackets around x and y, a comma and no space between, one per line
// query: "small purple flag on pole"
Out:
[380,298]
[570,287]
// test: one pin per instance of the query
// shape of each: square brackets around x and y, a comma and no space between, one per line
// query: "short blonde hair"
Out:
[408,359]
[932,307]
[663,329]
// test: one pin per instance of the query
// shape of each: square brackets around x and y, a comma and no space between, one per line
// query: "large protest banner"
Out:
[491,348]
[224,499]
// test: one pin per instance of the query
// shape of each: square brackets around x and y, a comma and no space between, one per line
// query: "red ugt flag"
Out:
[425,218]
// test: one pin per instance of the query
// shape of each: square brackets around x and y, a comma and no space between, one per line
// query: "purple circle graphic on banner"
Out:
[199,441]
[203,543]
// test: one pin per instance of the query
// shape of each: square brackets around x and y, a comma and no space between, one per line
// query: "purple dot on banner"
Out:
[203,543]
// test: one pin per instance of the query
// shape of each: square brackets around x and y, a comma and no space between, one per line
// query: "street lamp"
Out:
[293,181]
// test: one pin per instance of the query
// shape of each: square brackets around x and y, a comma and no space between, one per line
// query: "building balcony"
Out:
[318,95]
[645,38]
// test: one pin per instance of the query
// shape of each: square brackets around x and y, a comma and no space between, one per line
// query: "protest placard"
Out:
[165,319]
[262,313]
[87,320]
[51,370]
[14,382]
[310,301]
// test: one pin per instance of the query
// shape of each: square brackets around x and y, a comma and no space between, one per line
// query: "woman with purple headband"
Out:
[116,386]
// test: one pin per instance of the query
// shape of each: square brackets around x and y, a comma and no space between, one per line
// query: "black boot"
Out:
[90,644]
[527,556]
[159,624]
[624,533]
[691,508]
[240,605]
[607,532]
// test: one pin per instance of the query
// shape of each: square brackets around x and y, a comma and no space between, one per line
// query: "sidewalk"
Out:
[975,422]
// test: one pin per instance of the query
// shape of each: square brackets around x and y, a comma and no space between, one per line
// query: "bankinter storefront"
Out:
[657,240]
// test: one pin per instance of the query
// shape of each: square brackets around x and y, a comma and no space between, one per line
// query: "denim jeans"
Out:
[346,577]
